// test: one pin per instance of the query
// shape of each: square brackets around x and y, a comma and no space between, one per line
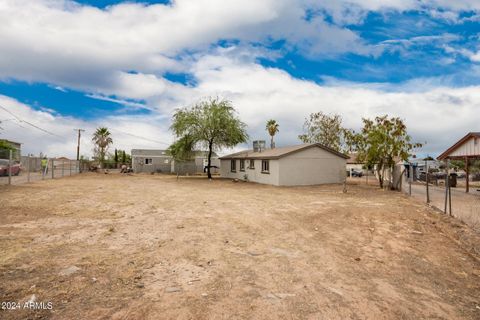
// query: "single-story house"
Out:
[353,164]
[158,161]
[305,164]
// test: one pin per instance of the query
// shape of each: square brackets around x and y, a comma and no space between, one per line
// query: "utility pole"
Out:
[78,143]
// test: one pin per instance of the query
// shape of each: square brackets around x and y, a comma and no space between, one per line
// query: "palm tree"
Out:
[272,128]
[102,140]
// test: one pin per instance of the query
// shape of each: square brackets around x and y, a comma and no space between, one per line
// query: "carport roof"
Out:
[278,153]
[447,153]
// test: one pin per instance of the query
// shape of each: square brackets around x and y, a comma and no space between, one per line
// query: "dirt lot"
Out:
[151,247]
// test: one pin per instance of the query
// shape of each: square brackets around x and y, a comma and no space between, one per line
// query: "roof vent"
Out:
[258,145]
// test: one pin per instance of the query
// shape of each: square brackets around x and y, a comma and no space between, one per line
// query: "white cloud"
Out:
[72,46]
[61,139]
[61,42]
[437,115]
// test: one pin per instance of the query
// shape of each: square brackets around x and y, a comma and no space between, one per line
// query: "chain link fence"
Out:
[16,169]
[446,191]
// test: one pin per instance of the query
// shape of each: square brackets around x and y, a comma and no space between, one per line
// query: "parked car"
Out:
[354,173]
[16,168]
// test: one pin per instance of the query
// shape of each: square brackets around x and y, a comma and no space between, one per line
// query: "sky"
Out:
[128,65]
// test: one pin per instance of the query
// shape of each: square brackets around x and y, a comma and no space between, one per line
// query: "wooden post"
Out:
[53,168]
[467,184]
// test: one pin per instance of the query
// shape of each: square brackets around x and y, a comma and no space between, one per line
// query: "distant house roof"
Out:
[149,152]
[164,153]
[278,153]
[352,158]
[459,143]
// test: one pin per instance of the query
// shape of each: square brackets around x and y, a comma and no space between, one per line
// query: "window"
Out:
[242,165]
[265,166]
[252,164]
[148,161]
[233,165]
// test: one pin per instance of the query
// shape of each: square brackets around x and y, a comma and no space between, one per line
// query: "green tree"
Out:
[102,140]
[116,156]
[5,145]
[328,131]
[272,128]
[212,124]
[182,150]
[124,157]
[383,142]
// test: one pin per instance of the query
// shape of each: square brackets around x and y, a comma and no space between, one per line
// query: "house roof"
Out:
[278,153]
[352,158]
[164,153]
[469,135]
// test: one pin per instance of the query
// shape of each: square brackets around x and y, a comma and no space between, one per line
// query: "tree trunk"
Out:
[390,184]
[272,144]
[210,146]
[102,158]
[380,177]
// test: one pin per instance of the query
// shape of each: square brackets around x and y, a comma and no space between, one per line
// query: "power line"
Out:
[29,123]
[140,137]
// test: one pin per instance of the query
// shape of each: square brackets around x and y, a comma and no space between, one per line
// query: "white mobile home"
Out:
[159,161]
[305,164]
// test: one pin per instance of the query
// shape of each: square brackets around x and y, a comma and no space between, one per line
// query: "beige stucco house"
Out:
[305,164]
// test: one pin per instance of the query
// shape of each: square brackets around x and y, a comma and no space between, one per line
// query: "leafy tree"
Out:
[4,145]
[116,156]
[473,165]
[182,150]
[124,157]
[383,142]
[272,128]
[211,124]
[102,141]
[327,130]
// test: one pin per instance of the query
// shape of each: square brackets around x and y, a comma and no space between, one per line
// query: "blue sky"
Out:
[132,63]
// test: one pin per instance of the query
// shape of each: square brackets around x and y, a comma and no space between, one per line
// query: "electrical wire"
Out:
[29,123]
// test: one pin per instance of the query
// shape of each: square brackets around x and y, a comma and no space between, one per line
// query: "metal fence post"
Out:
[28,168]
[426,180]
[410,178]
[10,158]
[63,168]
[447,186]
[70,166]
[53,168]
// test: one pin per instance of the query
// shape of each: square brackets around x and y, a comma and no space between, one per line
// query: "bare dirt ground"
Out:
[151,247]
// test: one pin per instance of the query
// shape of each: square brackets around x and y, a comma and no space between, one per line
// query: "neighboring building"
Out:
[466,149]
[306,164]
[158,161]
[16,154]
[353,164]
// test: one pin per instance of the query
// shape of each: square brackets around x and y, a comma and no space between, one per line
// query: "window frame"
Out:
[242,165]
[233,165]
[267,162]
[250,162]
[148,163]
